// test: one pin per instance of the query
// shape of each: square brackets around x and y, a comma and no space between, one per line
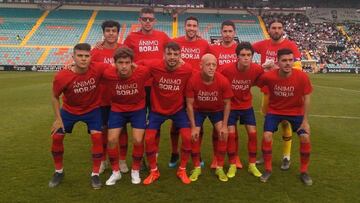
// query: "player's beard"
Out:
[172,65]
[276,37]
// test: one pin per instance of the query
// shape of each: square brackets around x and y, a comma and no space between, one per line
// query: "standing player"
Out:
[289,99]
[242,76]
[167,102]
[79,86]
[192,49]
[105,54]
[225,53]
[147,43]
[268,50]
[126,86]
[208,94]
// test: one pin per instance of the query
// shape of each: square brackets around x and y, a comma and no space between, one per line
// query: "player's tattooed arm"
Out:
[190,112]
[224,128]
[58,124]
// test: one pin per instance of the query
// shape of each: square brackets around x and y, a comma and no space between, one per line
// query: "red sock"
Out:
[123,143]
[157,140]
[185,146]
[97,151]
[267,154]
[195,153]
[104,141]
[174,136]
[231,148]
[150,147]
[57,150]
[214,141]
[220,155]
[114,157]
[305,149]
[137,154]
[252,146]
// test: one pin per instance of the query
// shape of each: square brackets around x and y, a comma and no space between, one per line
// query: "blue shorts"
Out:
[246,117]
[136,118]
[214,117]
[180,120]
[92,120]
[272,121]
[105,111]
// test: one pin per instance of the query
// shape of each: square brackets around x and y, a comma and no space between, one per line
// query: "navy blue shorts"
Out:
[180,120]
[214,117]
[272,121]
[136,118]
[105,111]
[246,117]
[92,120]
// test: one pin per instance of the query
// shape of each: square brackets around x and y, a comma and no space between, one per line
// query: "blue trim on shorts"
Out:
[180,120]
[136,118]
[246,117]
[214,117]
[92,119]
[272,121]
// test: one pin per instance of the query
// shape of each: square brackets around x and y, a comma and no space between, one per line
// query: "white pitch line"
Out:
[338,88]
[341,117]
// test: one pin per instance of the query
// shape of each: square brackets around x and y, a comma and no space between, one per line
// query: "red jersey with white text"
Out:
[286,94]
[192,51]
[224,55]
[147,46]
[208,97]
[268,50]
[127,94]
[103,56]
[241,83]
[80,91]
[168,87]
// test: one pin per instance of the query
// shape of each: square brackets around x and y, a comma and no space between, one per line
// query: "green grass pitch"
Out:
[26,164]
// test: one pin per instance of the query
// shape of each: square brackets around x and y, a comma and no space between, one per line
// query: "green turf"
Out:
[26,164]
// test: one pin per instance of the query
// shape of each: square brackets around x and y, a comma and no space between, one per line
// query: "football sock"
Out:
[185,146]
[137,154]
[123,143]
[57,150]
[267,154]
[252,146]
[150,147]
[305,149]
[97,151]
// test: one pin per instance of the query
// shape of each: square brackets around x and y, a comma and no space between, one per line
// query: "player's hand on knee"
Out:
[194,134]
[223,133]
[58,124]
[305,126]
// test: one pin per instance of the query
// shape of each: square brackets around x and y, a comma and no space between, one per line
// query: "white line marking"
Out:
[338,88]
[341,117]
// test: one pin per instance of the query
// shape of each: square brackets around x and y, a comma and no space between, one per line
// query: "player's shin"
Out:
[267,153]
[185,146]
[252,146]
[150,147]
[97,151]
[57,150]
[231,147]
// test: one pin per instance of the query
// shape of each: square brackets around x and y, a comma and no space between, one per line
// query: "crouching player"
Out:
[79,86]
[126,86]
[242,76]
[289,100]
[208,94]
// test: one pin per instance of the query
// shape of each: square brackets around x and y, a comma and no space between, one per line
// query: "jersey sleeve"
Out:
[226,88]
[189,92]
[58,85]
[256,46]
[127,42]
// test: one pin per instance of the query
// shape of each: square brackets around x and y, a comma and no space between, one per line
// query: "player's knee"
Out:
[305,138]
[137,140]
[267,136]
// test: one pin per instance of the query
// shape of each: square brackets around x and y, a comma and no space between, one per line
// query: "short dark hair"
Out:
[228,23]
[123,52]
[147,10]
[275,20]
[192,18]
[110,23]
[173,46]
[282,52]
[244,45]
[82,47]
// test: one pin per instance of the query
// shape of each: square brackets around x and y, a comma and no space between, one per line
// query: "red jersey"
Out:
[268,50]
[209,97]
[80,91]
[103,56]
[225,55]
[147,46]
[127,94]
[286,94]
[241,83]
[192,51]
[168,87]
